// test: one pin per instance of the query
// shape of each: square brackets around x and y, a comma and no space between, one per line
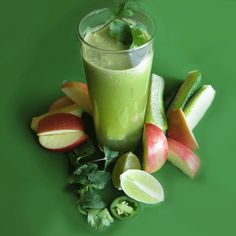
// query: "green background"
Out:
[39,49]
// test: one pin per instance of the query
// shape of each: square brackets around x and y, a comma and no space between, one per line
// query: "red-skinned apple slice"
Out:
[59,123]
[183,158]
[71,109]
[63,142]
[155,148]
[78,93]
[60,103]
[179,130]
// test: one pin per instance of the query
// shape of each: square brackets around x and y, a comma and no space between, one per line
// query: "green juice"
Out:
[118,88]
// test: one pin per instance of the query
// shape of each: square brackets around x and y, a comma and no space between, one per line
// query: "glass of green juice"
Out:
[118,77]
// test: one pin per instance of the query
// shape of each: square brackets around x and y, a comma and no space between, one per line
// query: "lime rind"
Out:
[125,162]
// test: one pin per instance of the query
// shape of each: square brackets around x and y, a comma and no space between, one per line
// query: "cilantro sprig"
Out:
[127,34]
[90,178]
[124,8]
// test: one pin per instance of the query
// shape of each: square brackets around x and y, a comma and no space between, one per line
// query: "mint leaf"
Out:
[121,31]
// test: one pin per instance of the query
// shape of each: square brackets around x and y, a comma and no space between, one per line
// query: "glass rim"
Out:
[123,50]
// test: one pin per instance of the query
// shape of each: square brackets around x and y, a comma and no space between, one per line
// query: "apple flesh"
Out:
[71,109]
[183,158]
[63,142]
[179,130]
[155,148]
[78,93]
[59,123]
[60,103]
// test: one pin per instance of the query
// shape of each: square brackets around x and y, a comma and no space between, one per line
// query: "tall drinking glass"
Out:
[118,80]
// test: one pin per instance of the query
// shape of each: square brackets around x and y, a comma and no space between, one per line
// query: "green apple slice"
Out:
[198,105]
[155,112]
[186,90]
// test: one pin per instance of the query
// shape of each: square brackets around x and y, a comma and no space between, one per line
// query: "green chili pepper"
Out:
[123,208]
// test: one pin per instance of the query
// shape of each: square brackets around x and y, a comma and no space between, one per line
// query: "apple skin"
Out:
[60,103]
[179,130]
[155,148]
[71,109]
[78,93]
[59,123]
[183,158]
[50,142]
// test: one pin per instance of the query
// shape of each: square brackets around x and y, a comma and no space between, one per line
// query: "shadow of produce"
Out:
[171,87]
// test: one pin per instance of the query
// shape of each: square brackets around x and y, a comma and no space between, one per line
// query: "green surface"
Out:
[39,50]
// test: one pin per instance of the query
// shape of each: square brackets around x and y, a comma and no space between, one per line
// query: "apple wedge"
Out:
[63,142]
[72,109]
[183,158]
[59,123]
[78,93]
[179,130]
[155,148]
[60,103]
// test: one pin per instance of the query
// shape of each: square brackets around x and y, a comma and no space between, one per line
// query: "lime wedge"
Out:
[141,186]
[155,112]
[125,162]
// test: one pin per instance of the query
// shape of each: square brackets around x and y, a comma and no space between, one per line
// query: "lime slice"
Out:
[125,162]
[155,112]
[141,186]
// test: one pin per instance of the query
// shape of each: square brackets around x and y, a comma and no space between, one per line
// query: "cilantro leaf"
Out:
[89,180]
[139,35]
[120,30]
[99,219]
[128,34]
[129,7]
[85,169]
[99,179]
[91,200]
[124,8]
[110,156]
[80,175]
[86,150]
